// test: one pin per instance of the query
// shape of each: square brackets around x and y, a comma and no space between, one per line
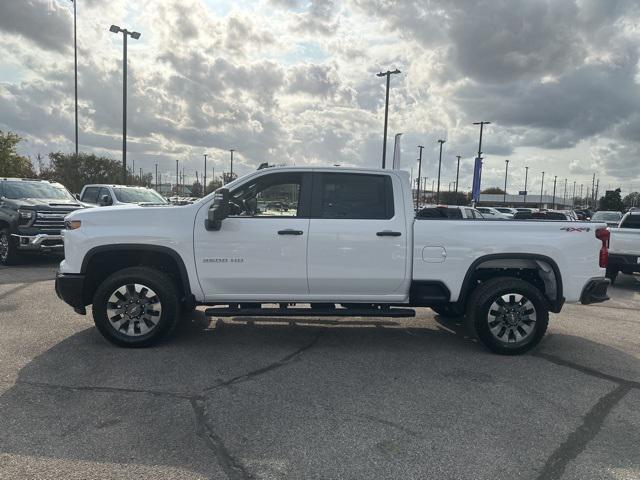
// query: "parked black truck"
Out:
[32,217]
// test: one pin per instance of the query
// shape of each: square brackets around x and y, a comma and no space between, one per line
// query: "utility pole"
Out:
[441,142]
[156,177]
[387,74]
[526,177]
[204,177]
[564,195]
[420,147]
[554,191]
[457,176]
[506,171]
[231,175]
[541,190]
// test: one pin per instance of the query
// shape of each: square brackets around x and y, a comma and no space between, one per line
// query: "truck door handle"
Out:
[289,231]
[388,233]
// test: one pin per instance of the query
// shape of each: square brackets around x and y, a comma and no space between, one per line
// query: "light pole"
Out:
[156,177]
[482,124]
[554,191]
[477,167]
[419,173]
[441,142]
[541,190]
[564,195]
[457,176]
[573,198]
[526,177]
[75,63]
[177,178]
[506,171]
[135,35]
[387,74]
[204,177]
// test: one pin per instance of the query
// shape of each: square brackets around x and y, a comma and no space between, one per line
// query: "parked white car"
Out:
[508,211]
[350,245]
[624,246]
[611,218]
[108,195]
[493,213]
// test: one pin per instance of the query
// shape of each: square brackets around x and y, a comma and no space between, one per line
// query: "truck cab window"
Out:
[276,195]
[90,195]
[354,196]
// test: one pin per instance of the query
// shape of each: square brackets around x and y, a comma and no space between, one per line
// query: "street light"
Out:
[231,175]
[387,74]
[135,35]
[457,176]
[554,191]
[419,172]
[204,177]
[541,190]
[75,63]
[506,171]
[526,177]
[441,142]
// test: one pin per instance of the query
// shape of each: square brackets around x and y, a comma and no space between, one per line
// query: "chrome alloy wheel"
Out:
[134,309]
[4,246]
[511,318]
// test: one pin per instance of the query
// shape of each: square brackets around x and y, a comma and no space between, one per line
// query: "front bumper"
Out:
[595,291]
[42,242]
[70,288]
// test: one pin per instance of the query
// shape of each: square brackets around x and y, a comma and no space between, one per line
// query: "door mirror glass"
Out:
[219,210]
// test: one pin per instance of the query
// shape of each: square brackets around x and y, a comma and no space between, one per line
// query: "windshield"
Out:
[606,216]
[23,189]
[137,195]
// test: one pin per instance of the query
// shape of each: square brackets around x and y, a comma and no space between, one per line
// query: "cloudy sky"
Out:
[293,82]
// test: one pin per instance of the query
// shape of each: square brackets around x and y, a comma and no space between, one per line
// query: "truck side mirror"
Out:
[77,195]
[105,200]
[218,211]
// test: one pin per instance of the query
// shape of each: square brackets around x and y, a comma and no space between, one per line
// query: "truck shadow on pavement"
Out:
[246,400]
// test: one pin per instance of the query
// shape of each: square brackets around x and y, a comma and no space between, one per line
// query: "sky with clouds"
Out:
[294,82]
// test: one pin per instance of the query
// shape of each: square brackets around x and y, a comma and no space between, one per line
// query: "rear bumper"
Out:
[626,263]
[70,287]
[42,242]
[595,291]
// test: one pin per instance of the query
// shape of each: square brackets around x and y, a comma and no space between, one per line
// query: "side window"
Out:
[275,195]
[632,221]
[477,214]
[353,196]
[90,195]
[103,192]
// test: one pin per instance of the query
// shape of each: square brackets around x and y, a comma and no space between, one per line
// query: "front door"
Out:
[357,237]
[260,253]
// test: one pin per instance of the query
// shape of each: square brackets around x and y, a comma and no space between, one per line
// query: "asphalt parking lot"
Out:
[363,400]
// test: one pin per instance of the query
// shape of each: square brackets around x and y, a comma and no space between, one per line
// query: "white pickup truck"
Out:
[624,246]
[324,242]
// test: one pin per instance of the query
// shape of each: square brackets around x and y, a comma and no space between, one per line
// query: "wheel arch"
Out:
[514,261]
[101,261]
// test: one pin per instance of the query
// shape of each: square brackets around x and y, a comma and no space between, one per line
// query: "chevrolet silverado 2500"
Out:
[348,244]
[625,246]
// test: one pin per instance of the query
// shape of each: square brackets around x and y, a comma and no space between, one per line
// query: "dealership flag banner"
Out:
[477,176]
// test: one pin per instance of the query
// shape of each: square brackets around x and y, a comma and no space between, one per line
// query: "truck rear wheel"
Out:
[508,315]
[136,307]
[9,254]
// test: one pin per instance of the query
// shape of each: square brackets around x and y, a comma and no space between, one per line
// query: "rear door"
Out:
[357,236]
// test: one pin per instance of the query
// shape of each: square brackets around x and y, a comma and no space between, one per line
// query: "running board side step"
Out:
[309,312]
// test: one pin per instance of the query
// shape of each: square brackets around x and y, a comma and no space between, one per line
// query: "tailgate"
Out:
[625,241]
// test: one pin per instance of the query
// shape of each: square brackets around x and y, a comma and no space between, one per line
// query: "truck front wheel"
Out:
[9,254]
[509,316]
[136,307]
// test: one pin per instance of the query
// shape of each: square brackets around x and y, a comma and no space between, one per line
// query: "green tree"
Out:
[213,185]
[453,198]
[631,200]
[196,189]
[12,164]
[611,201]
[493,190]
[74,172]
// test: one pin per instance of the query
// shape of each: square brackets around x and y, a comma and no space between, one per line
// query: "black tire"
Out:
[449,310]
[487,325]
[612,274]
[163,321]
[9,254]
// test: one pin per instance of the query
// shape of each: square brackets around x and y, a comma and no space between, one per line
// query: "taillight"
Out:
[603,234]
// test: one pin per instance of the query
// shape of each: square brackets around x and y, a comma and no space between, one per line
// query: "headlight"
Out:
[25,216]
[72,224]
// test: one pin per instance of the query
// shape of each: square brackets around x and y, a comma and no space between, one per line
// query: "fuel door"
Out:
[434,254]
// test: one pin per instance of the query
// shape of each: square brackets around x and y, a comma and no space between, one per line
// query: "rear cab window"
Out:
[90,195]
[352,196]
